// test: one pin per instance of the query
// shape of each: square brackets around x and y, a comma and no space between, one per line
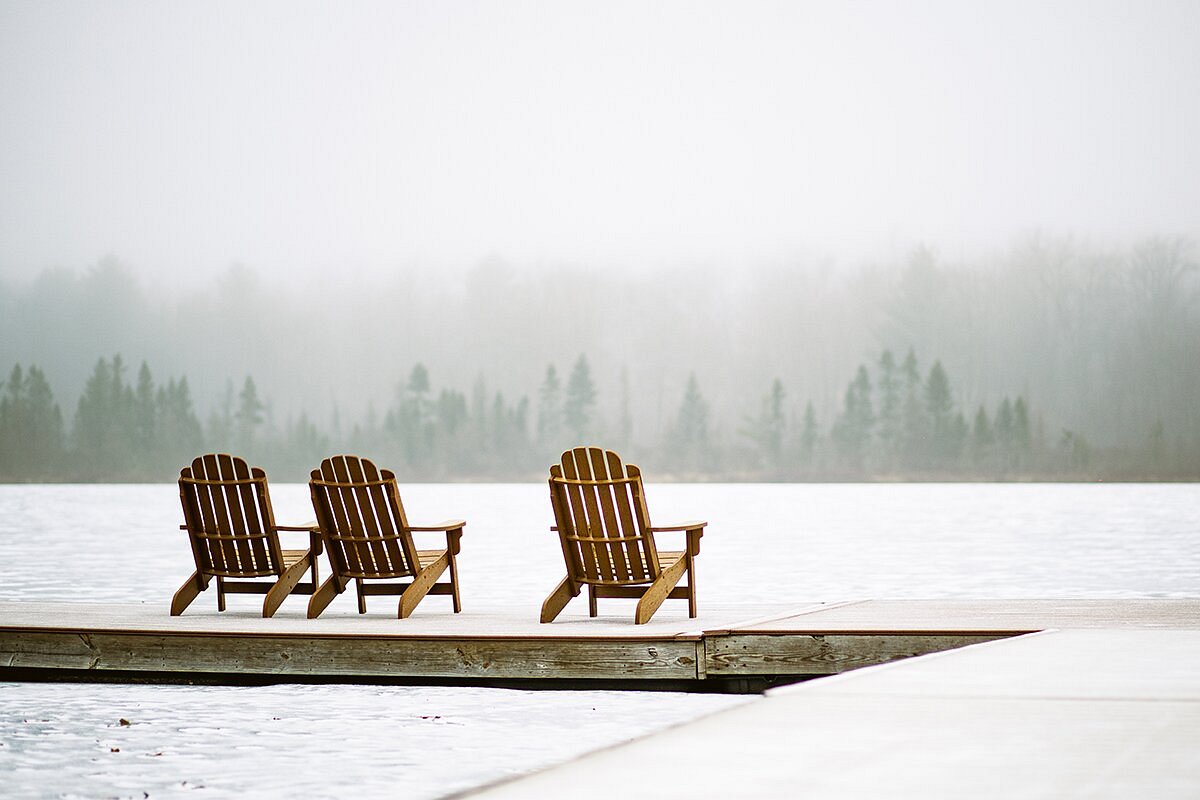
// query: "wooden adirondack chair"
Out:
[364,526]
[608,541]
[227,514]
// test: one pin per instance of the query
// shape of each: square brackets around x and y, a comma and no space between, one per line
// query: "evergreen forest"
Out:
[896,422]
[1052,359]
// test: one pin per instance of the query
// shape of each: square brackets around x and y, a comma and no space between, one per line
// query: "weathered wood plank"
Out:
[343,656]
[512,645]
[821,654]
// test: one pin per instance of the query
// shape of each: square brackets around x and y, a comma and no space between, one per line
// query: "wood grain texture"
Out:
[341,656]
[821,654]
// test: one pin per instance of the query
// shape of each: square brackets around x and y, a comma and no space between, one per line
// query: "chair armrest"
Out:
[315,541]
[694,529]
[690,525]
[448,525]
[453,529]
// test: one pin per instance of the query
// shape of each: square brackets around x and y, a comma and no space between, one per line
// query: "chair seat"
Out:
[292,556]
[666,558]
[427,557]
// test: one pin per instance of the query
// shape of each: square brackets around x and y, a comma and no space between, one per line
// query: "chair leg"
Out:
[190,590]
[362,598]
[323,596]
[592,610]
[454,583]
[422,583]
[691,586]
[283,587]
[658,591]
[558,599]
[220,593]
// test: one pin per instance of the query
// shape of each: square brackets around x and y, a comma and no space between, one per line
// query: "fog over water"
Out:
[323,195]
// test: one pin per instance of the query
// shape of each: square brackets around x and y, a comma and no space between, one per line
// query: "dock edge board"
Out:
[463,658]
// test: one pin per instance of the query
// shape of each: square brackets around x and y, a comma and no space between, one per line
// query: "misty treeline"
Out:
[135,428]
[1052,359]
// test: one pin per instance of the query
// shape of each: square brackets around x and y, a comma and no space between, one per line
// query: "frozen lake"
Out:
[121,543]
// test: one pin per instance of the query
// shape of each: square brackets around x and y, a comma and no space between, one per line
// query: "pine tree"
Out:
[44,423]
[31,427]
[579,402]
[181,437]
[939,406]
[412,422]
[220,428]
[549,413]
[689,437]
[306,445]
[12,424]
[809,435]
[982,438]
[890,405]
[451,412]
[915,423]
[502,428]
[1022,436]
[101,434]
[853,430]
[1006,434]
[249,416]
[766,430]
[145,421]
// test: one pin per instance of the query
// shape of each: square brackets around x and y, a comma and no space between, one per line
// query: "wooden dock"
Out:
[937,698]
[725,649]
[1102,702]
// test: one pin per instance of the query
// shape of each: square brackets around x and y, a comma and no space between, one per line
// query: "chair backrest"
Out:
[358,508]
[603,523]
[227,511]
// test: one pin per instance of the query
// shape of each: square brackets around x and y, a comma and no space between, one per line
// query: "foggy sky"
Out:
[293,136]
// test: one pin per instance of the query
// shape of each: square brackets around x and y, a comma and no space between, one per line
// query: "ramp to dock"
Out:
[1106,704]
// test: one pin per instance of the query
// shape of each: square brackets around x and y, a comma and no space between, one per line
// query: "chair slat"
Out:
[589,553]
[261,522]
[201,495]
[591,512]
[224,551]
[238,513]
[638,567]
[619,553]
[371,528]
[637,493]
[347,553]
[190,500]
[386,496]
